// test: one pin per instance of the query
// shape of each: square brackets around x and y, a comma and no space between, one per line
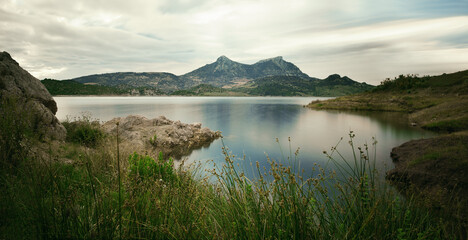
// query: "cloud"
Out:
[366,40]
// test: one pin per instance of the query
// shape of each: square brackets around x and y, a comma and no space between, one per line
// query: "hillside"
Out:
[273,76]
[164,81]
[208,90]
[433,169]
[70,87]
[334,85]
[438,103]
[282,86]
[226,72]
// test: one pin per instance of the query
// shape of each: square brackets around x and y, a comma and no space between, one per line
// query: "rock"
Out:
[173,138]
[30,97]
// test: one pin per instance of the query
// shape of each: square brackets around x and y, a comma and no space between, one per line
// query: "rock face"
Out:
[173,138]
[224,71]
[29,96]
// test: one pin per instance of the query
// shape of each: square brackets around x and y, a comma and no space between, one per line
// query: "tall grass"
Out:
[55,199]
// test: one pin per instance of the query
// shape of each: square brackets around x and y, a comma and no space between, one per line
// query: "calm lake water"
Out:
[250,125]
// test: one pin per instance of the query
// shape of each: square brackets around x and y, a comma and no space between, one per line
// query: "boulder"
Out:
[172,138]
[31,99]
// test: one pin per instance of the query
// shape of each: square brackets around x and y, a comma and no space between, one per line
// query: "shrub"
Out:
[153,140]
[144,167]
[84,131]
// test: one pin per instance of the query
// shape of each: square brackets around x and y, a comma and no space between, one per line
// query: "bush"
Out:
[153,140]
[84,131]
[144,167]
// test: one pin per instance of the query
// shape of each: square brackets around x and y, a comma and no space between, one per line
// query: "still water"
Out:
[251,125]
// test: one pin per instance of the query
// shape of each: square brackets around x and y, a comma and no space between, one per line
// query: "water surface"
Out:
[251,125]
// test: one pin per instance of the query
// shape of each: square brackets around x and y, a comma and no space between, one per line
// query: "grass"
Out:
[99,196]
[84,131]
[452,125]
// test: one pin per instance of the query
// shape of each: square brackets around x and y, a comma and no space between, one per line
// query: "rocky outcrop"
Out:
[30,98]
[173,138]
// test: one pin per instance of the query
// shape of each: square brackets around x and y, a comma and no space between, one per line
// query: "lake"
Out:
[251,125]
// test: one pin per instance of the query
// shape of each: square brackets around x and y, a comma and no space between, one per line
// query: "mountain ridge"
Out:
[225,73]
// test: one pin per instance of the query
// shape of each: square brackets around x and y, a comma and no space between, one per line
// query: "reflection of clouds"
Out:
[251,125]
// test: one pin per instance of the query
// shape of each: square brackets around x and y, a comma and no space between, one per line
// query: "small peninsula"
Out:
[433,168]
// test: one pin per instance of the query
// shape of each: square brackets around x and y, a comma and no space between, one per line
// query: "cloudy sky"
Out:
[367,40]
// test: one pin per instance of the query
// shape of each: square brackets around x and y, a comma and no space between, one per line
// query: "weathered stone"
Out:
[30,96]
[173,138]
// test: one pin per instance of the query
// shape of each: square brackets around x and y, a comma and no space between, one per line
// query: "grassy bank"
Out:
[437,166]
[433,169]
[93,188]
[438,103]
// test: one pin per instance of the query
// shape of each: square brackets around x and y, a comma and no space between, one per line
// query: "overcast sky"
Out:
[367,40]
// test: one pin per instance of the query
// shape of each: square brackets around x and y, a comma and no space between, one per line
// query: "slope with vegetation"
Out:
[70,87]
[208,90]
[437,103]
[334,85]
[274,77]
[434,168]
[92,186]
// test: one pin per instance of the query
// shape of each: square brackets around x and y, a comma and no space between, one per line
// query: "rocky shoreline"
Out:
[26,104]
[172,138]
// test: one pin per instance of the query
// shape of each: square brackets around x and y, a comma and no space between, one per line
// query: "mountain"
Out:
[333,85]
[273,76]
[158,80]
[225,72]
[277,67]
[70,87]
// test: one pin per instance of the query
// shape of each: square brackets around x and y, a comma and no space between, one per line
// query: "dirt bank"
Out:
[435,170]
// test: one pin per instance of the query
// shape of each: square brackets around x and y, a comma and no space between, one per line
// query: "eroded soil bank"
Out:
[435,169]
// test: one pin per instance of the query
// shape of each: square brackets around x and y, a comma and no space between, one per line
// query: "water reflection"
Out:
[251,125]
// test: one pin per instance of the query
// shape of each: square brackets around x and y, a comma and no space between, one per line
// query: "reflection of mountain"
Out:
[256,124]
[277,118]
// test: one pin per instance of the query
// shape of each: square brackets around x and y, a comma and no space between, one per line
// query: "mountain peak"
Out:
[334,76]
[275,60]
[223,59]
[278,58]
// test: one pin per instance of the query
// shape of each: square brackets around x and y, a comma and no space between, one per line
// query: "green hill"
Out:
[207,90]
[70,87]
[438,103]
[334,85]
